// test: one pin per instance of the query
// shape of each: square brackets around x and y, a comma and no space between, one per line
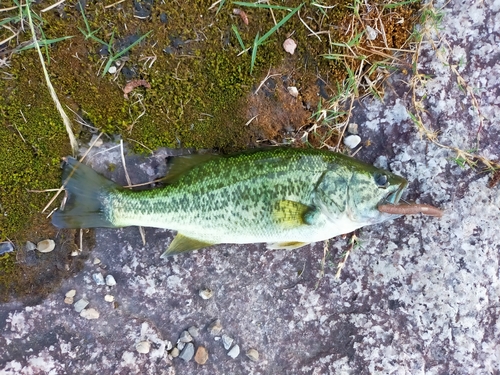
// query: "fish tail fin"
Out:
[86,192]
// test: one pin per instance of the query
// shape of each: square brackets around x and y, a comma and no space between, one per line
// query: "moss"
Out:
[199,95]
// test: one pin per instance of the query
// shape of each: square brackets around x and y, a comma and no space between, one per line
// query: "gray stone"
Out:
[185,337]
[80,305]
[194,331]
[6,247]
[227,341]
[215,328]
[188,352]
[98,278]
[30,246]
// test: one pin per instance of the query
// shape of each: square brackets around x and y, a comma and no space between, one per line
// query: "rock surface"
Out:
[419,295]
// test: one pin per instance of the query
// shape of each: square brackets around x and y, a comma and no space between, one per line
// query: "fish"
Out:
[284,197]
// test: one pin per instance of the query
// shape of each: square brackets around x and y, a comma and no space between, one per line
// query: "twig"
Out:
[52,6]
[66,121]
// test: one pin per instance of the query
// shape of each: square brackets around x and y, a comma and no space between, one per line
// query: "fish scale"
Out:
[285,197]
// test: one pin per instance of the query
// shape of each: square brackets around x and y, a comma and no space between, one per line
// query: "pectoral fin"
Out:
[290,214]
[182,244]
[286,245]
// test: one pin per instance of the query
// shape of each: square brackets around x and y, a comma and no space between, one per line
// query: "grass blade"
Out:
[238,36]
[44,42]
[257,5]
[279,24]
[254,52]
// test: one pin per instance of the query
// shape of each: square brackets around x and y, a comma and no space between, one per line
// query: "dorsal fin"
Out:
[180,165]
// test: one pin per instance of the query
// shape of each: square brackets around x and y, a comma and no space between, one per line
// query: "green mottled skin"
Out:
[234,199]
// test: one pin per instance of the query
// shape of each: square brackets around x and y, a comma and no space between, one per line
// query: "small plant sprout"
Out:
[113,55]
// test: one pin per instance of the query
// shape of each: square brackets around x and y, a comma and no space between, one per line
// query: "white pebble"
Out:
[289,46]
[143,347]
[90,314]
[292,90]
[234,352]
[352,141]
[97,261]
[71,293]
[206,293]
[110,280]
[45,246]
[81,304]
[98,278]
[109,298]
[371,33]
[112,70]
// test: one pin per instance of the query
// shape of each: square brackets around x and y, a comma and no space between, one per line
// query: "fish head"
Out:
[350,192]
[370,187]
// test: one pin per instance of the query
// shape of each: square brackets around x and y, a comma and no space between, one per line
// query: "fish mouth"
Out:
[395,197]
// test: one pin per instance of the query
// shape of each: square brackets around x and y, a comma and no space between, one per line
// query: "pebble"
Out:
[201,356]
[234,352]
[81,304]
[188,352]
[194,331]
[46,246]
[253,355]
[97,261]
[381,162]
[6,247]
[175,352]
[168,345]
[371,33]
[143,347]
[292,90]
[68,300]
[109,298]
[89,313]
[185,337]
[289,46]
[98,278]
[352,128]
[71,293]
[180,345]
[110,280]
[30,246]
[112,70]
[215,328]
[227,341]
[206,293]
[352,141]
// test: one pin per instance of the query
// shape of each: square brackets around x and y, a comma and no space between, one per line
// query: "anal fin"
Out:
[182,244]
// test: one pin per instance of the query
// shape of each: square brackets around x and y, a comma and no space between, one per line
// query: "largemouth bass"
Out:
[284,197]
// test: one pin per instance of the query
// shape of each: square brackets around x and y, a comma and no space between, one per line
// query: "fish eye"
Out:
[381,180]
